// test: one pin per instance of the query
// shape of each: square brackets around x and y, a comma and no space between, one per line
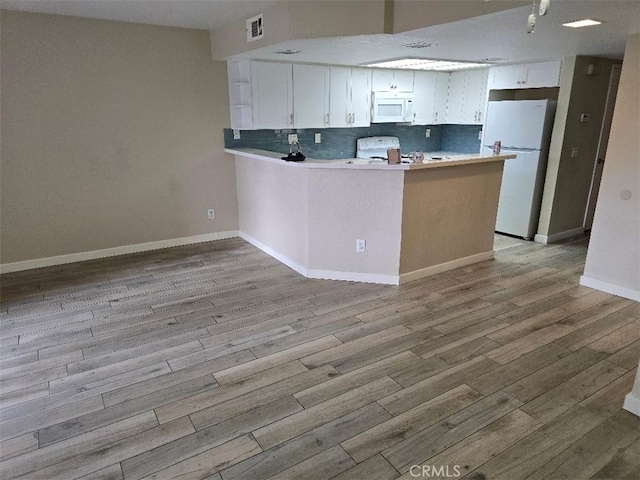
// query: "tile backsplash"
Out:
[339,143]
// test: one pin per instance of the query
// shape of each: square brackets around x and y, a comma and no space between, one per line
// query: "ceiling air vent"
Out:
[420,45]
[255,28]
[287,52]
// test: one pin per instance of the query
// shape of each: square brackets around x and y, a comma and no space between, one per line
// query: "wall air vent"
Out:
[255,28]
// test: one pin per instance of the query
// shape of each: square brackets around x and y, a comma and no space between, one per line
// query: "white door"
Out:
[424,100]
[519,207]
[360,97]
[272,95]
[339,96]
[516,123]
[310,96]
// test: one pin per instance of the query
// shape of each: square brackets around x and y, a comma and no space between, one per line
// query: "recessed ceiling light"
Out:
[425,64]
[582,23]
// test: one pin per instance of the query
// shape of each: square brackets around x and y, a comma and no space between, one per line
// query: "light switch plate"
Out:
[318,137]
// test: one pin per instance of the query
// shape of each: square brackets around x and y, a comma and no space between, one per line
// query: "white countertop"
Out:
[447,159]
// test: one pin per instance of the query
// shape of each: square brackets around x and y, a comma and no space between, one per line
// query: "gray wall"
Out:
[614,250]
[111,136]
[568,180]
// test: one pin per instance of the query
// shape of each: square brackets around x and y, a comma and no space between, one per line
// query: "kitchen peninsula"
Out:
[415,219]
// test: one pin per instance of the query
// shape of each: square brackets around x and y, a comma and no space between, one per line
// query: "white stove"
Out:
[376,147]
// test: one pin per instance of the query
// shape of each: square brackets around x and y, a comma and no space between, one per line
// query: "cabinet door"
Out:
[507,77]
[310,96]
[543,74]
[403,80]
[382,80]
[475,100]
[360,97]
[442,98]
[424,101]
[455,105]
[272,95]
[339,96]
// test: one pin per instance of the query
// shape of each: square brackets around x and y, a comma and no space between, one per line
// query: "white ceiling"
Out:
[500,35]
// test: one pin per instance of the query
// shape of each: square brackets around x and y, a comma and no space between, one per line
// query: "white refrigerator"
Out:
[524,128]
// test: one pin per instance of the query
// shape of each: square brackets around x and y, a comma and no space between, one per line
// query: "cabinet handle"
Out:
[326,119]
[353,118]
[291,119]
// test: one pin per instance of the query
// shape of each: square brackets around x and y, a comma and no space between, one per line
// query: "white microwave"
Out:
[392,107]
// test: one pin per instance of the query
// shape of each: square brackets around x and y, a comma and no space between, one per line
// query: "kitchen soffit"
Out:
[502,35]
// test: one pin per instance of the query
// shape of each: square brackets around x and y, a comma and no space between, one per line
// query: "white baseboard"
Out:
[275,254]
[610,288]
[354,277]
[443,267]
[556,237]
[632,404]
[113,252]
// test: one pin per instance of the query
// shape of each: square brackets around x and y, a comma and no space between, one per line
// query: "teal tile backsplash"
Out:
[341,142]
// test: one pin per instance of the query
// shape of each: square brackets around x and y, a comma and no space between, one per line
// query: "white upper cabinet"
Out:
[310,96]
[442,97]
[350,97]
[476,97]
[455,105]
[424,101]
[385,80]
[272,95]
[467,97]
[360,97]
[239,73]
[527,75]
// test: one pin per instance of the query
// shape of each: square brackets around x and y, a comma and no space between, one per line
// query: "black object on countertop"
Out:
[294,157]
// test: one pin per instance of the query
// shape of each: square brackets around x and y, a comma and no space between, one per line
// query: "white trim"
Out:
[556,237]
[113,252]
[443,267]
[275,254]
[632,404]
[610,288]
[354,277]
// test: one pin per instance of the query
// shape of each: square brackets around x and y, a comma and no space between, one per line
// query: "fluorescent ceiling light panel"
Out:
[582,23]
[424,64]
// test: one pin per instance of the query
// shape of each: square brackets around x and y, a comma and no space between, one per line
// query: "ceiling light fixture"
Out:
[426,64]
[420,45]
[587,22]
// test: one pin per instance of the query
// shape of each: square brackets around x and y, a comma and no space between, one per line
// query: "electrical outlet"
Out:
[293,137]
[236,134]
[428,133]
[318,137]
[480,135]
[211,214]
[361,245]
[574,152]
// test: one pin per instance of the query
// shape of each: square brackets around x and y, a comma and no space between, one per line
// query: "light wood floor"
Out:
[215,361]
